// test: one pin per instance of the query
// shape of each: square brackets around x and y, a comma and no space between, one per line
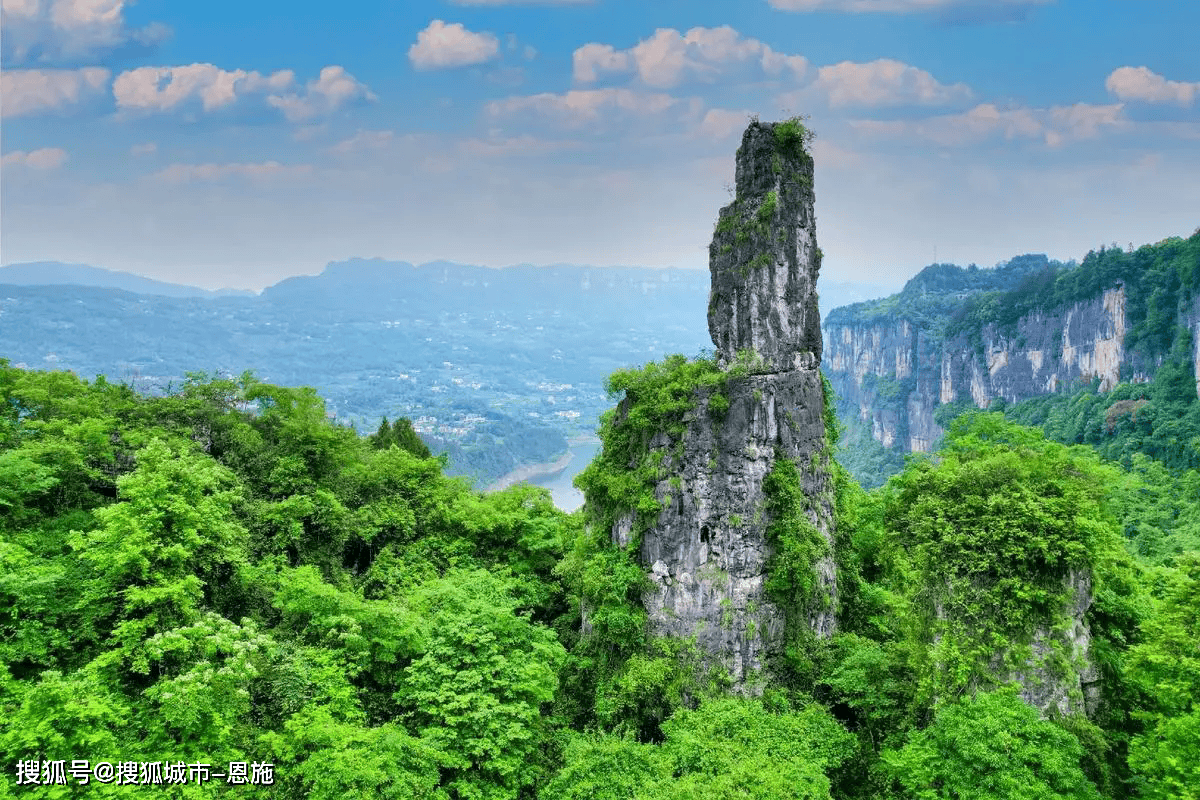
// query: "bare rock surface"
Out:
[708,552]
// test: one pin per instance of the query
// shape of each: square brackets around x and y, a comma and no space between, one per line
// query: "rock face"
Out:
[891,375]
[1055,671]
[708,552]
[1073,687]
[764,257]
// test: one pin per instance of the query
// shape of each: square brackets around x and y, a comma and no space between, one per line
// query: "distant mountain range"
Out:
[56,273]
[497,367]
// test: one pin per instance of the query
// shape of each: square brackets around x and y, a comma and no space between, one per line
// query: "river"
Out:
[566,496]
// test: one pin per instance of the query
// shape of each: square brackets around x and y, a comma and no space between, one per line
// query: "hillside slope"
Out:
[956,339]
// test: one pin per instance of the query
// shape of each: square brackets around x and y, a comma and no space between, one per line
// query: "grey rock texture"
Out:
[764,257]
[1050,351]
[707,553]
[1058,675]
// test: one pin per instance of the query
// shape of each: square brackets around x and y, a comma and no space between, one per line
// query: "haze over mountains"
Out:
[56,273]
[498,367]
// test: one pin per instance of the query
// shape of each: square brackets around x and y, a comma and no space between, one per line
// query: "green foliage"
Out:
[864,457]
[402,435]
[656,398]
[1166,666]
[792,137]
[476,692]
[833,429]
[993,747]
[1159,419]
[319,756]
[728,747]
[222,574]
[767,209]
[987,541]
[796,543]
[1159,280]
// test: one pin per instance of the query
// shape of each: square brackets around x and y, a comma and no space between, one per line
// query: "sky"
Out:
[232,143]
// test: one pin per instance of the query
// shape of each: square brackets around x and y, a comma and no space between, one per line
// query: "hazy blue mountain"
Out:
[496,366]
[56,273]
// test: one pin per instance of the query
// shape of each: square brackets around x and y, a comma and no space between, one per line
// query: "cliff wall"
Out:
[891,371]
[750,451]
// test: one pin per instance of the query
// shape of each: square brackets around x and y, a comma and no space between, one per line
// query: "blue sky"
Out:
[233,143]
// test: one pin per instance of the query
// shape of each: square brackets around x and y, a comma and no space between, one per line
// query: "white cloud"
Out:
[1080,121]
[70,29]
[444,45]
[1140,83]
[160,89]
[898,6]
[827,154]
[43,158]
[1054,126]
[885,82]
[363,141]
[333,89]
[668,57]
[193,173]
[721,123]
[593,58]
[30,91]
[581,106]
[165,88]
[144,149]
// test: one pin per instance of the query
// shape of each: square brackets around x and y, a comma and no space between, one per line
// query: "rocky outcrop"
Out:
[892,374]
[1060,673]
[709,550]
[764,257]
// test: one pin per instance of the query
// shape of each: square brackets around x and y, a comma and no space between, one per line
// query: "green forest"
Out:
[223,576]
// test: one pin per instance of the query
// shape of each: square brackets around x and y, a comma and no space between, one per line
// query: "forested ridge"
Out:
[990,317]
[222,574]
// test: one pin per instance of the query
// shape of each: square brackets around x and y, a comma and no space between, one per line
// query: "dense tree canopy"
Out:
[225,575]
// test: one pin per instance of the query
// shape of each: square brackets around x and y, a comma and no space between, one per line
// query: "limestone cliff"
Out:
[892,362]
[757,419]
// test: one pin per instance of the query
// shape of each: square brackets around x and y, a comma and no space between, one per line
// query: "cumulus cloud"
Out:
[593,58]
[197,173]
[165,88]
[57,30]
[900,6]
[1054,126]
[333,89]
[161,89]
[581,106]
[443,45]
[1141,84]
[885,82]
[668,57]
[721,123]
[43,158]
[32,91]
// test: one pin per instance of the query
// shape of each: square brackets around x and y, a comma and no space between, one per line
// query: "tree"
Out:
[990,746]
[476,692]
[1166,665]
